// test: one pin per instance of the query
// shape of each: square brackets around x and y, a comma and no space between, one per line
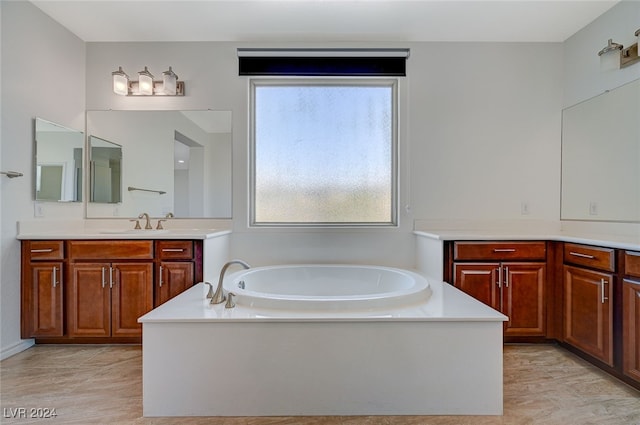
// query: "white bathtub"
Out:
[327,287]
[439,356]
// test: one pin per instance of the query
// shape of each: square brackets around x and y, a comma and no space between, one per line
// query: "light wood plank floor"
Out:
[543,384]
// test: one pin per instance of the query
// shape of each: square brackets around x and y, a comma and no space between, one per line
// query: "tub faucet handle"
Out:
[210,293]
[230,303]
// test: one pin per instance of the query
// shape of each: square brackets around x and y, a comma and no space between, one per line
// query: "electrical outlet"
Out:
[524,208]
[593,208]
[38,209]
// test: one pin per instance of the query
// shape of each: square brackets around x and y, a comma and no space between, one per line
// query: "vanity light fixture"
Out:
[120,82]
[631,55]
[146,86]
[614,56]
[609,56]
[169,82]
[145,82]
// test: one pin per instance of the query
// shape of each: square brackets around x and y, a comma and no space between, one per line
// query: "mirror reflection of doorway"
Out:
[188,177]
[49,182]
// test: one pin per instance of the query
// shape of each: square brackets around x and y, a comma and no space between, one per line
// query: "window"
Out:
[323,152]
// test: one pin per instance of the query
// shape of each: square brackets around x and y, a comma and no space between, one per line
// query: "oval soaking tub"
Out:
[331,287]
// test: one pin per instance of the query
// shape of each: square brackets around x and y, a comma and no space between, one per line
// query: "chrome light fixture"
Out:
[630,54]
[614,56]
[169,82]
[609,56]
[120,82]
[146,86]
[145,82]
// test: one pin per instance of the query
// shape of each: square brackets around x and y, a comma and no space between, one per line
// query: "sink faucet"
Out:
[218,296]
[146,217]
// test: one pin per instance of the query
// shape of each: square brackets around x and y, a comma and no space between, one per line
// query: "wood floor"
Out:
[543,384]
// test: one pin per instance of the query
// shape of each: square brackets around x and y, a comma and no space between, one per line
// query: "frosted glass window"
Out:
[323,153]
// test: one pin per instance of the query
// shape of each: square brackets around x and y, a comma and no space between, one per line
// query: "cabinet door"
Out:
[89,301]
[587,312]
[631,328]
[173,278]
[480,280]
[523,298]
[132,297]
[46,300]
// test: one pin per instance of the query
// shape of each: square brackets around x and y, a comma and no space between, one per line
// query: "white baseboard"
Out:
[16,348]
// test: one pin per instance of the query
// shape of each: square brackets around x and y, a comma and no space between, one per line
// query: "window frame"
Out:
[390,82]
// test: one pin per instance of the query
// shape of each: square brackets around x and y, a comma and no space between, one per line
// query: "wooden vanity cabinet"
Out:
[509,277]
[588,292]
[94,291]
[42,289]
[631,316]
[110,286]
[176,268]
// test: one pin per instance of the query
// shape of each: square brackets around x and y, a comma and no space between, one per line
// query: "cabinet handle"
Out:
[110,277]
[578,254]
[506,277]
[55,283]
[602,297]
[504,250]
[172,249]
[499,269]
[160,277]
[103,282]
[38,251]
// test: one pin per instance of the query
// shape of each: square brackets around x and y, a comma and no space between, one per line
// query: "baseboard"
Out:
[16,348]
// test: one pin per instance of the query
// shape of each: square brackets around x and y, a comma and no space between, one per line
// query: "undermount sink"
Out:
[134,232]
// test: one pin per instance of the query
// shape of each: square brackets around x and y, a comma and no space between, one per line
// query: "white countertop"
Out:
[445,304]
[119,229]
[631,241]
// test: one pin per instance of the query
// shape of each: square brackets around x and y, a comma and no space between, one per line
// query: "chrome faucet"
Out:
[219,296]
[146,217]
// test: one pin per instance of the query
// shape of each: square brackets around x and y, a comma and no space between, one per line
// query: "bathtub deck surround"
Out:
[443,356]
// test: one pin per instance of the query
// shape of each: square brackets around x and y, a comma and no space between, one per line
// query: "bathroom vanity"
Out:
[583,293]
[91,286]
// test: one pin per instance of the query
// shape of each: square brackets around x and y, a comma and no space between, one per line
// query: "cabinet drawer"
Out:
[590,256]
[110,250]
[499,251]
[174,250]
[46,250]
[632,263]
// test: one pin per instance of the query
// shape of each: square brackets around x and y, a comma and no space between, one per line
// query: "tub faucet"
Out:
[146,217]
[219,296]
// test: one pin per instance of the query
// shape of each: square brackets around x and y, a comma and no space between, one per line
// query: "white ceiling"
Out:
[324,20]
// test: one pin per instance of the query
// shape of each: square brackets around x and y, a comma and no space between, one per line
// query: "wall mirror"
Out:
[58,162]
[105,165]
[601,157]
[175,162]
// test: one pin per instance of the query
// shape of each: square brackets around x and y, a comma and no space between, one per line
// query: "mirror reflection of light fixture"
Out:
[120,82]
[146,86]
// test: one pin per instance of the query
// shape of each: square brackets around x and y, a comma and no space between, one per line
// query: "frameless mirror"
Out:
[172,162]
[58,162]
[601,157]
[105,170]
